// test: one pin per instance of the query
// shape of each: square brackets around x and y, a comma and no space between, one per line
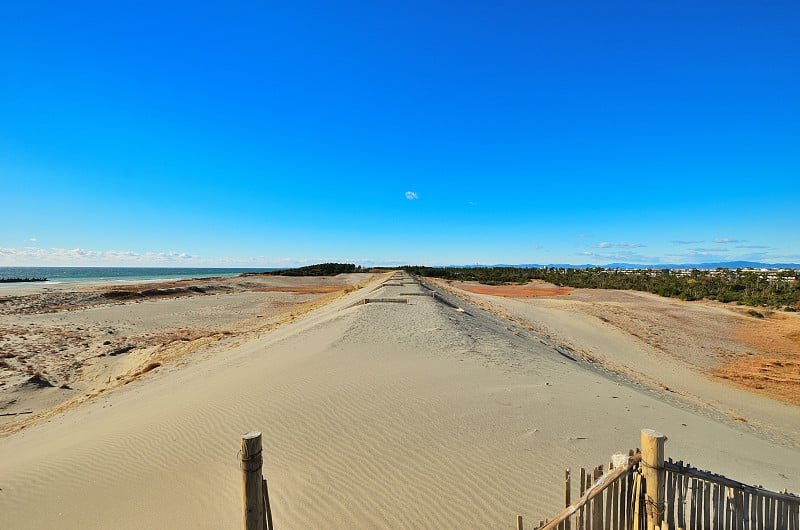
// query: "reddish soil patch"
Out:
[514,291]
[774,366]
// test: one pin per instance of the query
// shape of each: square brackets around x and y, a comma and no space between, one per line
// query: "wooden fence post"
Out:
[252,496]
[653,471]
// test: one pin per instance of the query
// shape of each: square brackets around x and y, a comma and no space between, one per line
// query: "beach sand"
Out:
[63,343]
[379,415]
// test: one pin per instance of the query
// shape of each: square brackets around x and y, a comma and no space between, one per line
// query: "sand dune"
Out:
[690,349]
[379,415]
[63,344]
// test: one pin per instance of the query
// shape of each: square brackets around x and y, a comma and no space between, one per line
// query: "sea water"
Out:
[93,274]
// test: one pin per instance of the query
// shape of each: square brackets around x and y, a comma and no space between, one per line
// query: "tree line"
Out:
[322,269]
[776,289]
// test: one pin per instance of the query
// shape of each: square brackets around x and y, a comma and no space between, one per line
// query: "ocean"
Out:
[93,274]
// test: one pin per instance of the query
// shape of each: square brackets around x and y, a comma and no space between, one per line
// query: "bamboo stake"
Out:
[729,507]
[617,488]
[707,505]
[759,512]
[669,515]
[582,490]
[597,508]
[738,509]
[629,496]
[252,499]
[693,504]
[609,507]
[683,484]
[519,522]
[567,497]
[747,509]
[267,508]
[771,504]
[637,502]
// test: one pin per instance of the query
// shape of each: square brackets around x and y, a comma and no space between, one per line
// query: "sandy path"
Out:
[374,416]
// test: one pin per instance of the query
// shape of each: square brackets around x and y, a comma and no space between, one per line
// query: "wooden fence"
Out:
[642,491]
[705,501]
[603,498]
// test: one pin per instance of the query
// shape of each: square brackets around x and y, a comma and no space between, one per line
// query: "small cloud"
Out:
[705,251]
[606,244]
[621,255]
[725,240]
[685,242]
[751,246]
[411,196]
[32,239]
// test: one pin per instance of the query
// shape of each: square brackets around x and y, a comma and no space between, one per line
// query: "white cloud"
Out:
[32,239]
[706,251]
[725,240]
[36,256]
[606,244]
[411,196]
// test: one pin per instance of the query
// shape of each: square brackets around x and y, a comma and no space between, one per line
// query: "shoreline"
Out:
[57,275]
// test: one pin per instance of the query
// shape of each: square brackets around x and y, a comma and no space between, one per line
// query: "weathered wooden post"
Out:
[653,472]
[252,496]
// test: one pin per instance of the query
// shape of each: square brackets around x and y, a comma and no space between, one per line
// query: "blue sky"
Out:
[423,132]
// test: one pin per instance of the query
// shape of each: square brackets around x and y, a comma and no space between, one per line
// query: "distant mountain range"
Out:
[714,265]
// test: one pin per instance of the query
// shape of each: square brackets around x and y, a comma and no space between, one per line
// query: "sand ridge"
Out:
[680,347]
[758,349]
